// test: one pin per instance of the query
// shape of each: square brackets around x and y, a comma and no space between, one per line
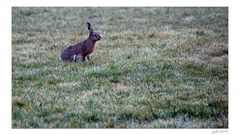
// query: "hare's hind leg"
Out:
[78,57]
[72,58]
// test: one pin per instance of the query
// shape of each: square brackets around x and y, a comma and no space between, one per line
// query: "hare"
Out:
[81,50]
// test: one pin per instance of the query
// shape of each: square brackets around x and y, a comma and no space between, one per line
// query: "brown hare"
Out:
[81,50]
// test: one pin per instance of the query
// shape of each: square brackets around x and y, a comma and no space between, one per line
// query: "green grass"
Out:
[153,68]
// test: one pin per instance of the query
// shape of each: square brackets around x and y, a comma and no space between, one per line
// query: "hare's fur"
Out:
[81,50]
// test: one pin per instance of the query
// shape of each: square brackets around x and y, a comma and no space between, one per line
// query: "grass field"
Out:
[153,68]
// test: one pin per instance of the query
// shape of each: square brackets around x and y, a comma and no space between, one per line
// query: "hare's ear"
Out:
[89,27]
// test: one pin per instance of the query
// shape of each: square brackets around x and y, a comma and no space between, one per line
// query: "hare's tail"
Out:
[61,58]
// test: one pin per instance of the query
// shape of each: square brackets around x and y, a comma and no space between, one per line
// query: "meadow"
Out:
[153,68]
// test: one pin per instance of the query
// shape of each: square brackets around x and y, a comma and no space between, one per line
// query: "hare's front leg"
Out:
[89,57]
[83,58]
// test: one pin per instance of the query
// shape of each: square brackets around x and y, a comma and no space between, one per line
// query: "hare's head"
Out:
[93,35]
